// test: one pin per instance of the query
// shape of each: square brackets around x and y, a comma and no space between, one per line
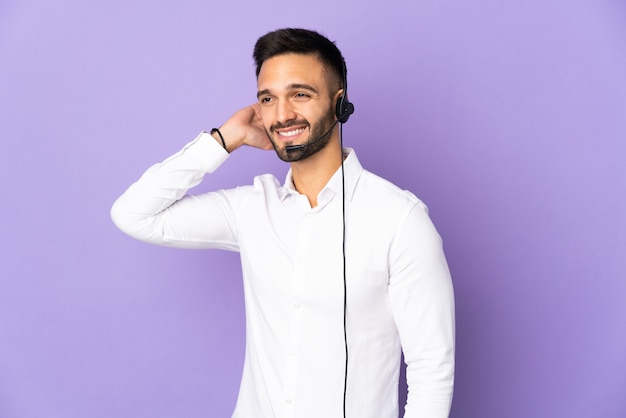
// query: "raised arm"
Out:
[156,208]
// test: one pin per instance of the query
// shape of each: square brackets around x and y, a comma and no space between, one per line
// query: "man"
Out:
[332,231]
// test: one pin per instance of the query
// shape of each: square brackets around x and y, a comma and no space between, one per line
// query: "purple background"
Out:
[507,118]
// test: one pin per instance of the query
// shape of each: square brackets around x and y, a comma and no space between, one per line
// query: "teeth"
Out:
[292,133]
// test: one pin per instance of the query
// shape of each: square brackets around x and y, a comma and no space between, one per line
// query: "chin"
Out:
[291,156]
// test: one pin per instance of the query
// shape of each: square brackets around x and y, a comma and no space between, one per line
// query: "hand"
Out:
[245,127]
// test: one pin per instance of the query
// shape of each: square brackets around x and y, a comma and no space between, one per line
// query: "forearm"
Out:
[142,210]
[430,365]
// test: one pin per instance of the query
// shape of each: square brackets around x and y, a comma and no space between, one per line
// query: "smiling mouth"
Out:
[290,133]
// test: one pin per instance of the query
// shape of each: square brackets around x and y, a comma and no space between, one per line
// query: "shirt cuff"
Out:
[206,150]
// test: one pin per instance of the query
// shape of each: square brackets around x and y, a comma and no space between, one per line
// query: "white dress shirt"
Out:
[399,292]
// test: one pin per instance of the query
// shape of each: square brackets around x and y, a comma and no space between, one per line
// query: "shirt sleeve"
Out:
[156,209]
[422,303]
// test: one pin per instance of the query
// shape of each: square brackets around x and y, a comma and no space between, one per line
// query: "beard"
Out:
[319,136]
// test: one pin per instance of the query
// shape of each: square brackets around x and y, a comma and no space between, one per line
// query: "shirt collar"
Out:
[352,171]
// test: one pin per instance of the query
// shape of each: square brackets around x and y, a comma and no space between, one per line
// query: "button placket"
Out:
[295,320]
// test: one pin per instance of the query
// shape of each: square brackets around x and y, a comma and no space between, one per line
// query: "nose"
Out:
[285,111]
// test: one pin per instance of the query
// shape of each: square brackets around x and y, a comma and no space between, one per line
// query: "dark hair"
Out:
[300,41]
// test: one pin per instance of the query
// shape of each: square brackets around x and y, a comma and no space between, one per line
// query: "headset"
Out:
[343,110]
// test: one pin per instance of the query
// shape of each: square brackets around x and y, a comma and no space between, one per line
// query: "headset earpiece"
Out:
[343,109]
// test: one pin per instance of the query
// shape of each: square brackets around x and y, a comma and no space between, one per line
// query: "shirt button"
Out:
[288,400]
[297,305]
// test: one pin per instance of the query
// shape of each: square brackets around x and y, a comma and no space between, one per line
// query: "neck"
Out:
[310,176]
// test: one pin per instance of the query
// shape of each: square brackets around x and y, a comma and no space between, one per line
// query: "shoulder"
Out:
[387,211]
[381,194]
[263,187]
[266,181]
[267,185]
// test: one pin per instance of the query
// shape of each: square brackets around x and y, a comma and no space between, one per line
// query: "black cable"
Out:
[345,293]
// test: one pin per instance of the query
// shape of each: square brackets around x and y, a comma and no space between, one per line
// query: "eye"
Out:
[265,100]
[301,96]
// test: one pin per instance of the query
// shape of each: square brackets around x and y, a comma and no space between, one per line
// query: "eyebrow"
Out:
[293,86]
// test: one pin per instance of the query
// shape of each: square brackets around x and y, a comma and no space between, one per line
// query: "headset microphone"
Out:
[291,148]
